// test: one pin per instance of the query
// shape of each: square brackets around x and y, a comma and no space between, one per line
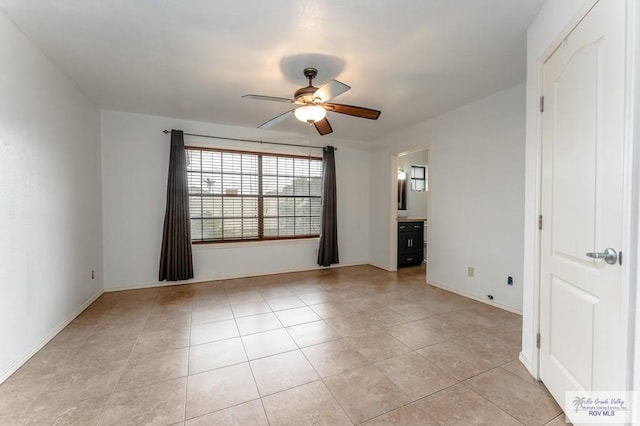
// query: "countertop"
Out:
[411,219]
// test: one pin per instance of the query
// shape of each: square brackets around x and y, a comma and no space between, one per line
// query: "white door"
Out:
[583,312]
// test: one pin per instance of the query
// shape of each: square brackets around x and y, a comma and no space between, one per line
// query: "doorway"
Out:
[413,192]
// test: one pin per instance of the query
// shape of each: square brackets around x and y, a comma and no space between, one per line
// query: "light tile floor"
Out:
[340,346]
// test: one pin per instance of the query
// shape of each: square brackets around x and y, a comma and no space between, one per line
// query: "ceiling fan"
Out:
[313,104]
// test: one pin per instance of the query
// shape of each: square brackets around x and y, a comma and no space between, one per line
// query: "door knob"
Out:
[610,256]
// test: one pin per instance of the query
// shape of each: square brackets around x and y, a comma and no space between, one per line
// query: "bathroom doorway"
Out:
[413,189]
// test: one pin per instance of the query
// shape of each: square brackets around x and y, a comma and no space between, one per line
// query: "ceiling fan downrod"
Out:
[310,73]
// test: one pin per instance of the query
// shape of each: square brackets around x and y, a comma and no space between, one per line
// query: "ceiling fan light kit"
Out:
[310,113]
[314,105]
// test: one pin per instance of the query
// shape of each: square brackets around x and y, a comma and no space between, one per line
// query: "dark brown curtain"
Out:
[328,249]
[176,261]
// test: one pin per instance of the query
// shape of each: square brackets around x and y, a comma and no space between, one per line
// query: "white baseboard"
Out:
[384,268]
[527,364]
[16,365]
[479,299]
[228,277]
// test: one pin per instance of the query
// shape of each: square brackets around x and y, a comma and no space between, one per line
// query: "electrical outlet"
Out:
[490,297]
[509,280]
[470,271]
[93,274]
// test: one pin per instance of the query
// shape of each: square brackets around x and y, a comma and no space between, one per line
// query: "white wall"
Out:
[476,158]
[134,166]
[50,214]
[553,17]
[382,209]
[416,200]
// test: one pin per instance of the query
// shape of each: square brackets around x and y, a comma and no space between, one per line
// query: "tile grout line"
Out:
[458,382]
[501,366]
[186,385]
[488,400]
[124,367]
[253,376]
[53,376]
[388,378]
[321,379]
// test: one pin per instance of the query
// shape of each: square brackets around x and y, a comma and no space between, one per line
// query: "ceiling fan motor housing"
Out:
[305,94]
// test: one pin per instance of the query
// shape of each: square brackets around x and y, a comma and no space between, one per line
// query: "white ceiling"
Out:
[411,59]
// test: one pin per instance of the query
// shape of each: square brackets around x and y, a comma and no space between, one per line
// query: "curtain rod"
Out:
[249,140]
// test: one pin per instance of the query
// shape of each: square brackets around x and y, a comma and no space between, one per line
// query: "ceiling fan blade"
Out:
[323,127]
[361,112]
[331,90]
[275,120]
[268,98]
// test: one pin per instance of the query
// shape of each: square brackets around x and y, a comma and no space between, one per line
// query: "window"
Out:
[236,195]
[418,178]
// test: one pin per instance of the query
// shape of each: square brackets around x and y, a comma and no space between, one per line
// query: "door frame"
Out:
[631,187]
[393,228]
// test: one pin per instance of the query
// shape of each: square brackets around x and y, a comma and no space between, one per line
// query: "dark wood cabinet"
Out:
[410,243]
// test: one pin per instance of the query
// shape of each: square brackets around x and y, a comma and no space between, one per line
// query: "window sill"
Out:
[238,244]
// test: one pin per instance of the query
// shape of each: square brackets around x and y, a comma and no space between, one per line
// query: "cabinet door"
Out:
[409,242]
[405,241]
